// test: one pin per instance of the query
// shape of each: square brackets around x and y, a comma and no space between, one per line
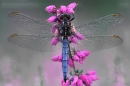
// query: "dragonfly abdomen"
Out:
[65,58]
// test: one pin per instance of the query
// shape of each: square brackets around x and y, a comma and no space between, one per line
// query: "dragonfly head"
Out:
[65,19]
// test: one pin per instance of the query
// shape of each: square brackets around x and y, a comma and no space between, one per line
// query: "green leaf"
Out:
[81,71]
[71,73]
[77,71]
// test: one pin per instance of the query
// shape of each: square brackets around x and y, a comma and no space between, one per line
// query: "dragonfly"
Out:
[41,37]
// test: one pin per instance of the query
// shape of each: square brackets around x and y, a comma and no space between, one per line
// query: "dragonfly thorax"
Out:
[65,26]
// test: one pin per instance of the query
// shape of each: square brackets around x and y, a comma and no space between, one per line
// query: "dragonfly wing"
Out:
[99,25]
[29,24]
[97,43]
[39,43]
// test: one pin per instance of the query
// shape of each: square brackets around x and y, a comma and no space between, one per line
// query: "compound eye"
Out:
[62,17]
[68,17]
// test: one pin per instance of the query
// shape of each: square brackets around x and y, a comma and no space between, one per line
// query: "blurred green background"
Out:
[28,68]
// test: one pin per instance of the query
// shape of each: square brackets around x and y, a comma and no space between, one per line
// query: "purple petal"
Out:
[60,58]
[70,62]
[55,58]
[91,72]
[79,82]
[81,61]
[78,53]
[76,58]
[51,9]
[80,36]
[75,40]
[63,9]
[72,5]
[83,77]
[65,84]
[70,11]
[51,19]
[54,28]
[54,41]
[82,54]
[75,79]
[86,52]
[93,77]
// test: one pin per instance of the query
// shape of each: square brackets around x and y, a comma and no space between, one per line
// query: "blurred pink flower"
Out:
[79,79]
[86,52]
[93,77]
[51,9]
[83,77]
[54,41]
[72,5]
[81,55]
[55,58]
[76,58]
[75,81]
[81,61]
[63,8]
[51,19]
[70,62]
[65,84]
[91,72]
[73,39]
[70,11]
[79,82]
[60,58]
[79,36]
[54,27]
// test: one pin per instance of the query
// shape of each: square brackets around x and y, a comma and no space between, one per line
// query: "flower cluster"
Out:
[63,9]
[78,79]
[79,56]
[74,39]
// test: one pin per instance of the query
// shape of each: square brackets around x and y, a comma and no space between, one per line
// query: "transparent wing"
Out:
[39,43]
[29,24]
[97,43]
[100,25]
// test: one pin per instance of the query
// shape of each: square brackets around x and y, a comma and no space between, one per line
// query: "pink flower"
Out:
[73,39]
[65,84]
[86,52]
[54,27]
[75,81]
[51,9]
[60,58]
[55,58]
[93,77]
[80,36]
[70,11]
[79,82]
[63,9]
[86,79]
[76,58]
[51,19]
[91,72]
[81,61]
[83,77]
[70,62]
[72,5]
[54,41]
[82,55]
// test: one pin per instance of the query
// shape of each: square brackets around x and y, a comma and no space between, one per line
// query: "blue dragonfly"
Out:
[41,37]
